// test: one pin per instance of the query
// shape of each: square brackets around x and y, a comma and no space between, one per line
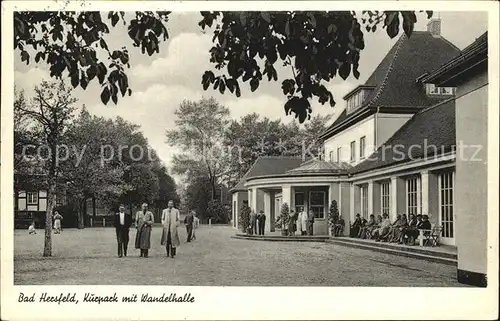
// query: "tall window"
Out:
[339,154]
[32,197]
[331,156]
[364,201]
[299,202]
[413,196]
[234,210]
[362,142]
[317,203]
[353,151]
[446,203]
[385,197]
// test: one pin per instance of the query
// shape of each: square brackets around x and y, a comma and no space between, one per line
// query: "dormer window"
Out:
[356,97]
[432,90]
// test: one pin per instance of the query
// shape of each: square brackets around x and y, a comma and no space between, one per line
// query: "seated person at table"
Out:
[363,224]
[356,226]
[384,229]
[412,224]
[412,230]
[397,230]
[393,226]
[368,226]
[339,226]
[425,225]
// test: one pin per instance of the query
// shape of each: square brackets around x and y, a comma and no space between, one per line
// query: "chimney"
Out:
[434,27]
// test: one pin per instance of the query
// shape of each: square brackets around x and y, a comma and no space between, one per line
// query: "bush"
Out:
[284,218]
[333,215]
[244,219]
[217,212]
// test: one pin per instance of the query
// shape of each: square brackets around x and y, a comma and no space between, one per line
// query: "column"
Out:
[333,194]
[398,197]
[351,202]
[272,215]
[267,210]
[370,197]
[394,197]
[424,185]
[286,195]
[377,202]
[345,205]
[430,196]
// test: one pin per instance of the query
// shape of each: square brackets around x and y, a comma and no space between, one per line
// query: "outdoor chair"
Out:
[432,237]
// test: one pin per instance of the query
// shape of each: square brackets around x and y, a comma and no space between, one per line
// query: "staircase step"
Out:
[415,249]
[428,256]
[281,238]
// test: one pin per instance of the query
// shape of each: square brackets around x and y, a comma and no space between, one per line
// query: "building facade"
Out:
[394,150]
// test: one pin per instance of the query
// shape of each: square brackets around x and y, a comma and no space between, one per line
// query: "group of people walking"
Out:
[381,229]
[144,220]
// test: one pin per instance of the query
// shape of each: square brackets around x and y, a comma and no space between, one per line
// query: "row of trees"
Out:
[217,151]
[83,156]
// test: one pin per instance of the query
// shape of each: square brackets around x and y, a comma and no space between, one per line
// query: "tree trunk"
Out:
[81,213]
[47,248]
[212,182]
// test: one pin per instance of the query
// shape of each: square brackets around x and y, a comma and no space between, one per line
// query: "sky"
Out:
[161,82]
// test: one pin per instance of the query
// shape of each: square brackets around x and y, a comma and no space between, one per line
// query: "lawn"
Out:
[89,256]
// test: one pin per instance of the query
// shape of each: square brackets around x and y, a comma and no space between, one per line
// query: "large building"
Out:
[394,148]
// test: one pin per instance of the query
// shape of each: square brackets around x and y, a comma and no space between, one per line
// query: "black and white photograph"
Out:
[322,149]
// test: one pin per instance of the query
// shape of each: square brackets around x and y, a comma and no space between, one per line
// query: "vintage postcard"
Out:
[249,160]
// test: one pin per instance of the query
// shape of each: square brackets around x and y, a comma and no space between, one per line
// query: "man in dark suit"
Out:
[188,221]
[262,222]
[253,222]
[122,223]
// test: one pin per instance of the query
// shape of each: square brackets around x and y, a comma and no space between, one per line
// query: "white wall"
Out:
[471,175]
[366,127]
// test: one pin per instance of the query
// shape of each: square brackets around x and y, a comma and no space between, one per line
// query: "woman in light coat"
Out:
[302,221]
[170,219]
[144,221]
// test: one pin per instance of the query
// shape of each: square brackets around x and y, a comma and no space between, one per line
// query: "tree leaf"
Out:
[345,70]
[254,84]
[105,94]
[75,79]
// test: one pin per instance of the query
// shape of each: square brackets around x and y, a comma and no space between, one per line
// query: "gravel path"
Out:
[89,257]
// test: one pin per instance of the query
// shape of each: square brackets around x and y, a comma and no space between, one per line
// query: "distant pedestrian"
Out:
[144,220]
[31,228]
[188,222]
[122,224]
[170,219]
[292,223]
[57,222]
[196,223]
[310,223]
[302,222]
[253,223]
[262,222]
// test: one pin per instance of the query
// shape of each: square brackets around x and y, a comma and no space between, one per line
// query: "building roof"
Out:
[394,78]
[268,165]
[433,126]
[316,166]
[473,57]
